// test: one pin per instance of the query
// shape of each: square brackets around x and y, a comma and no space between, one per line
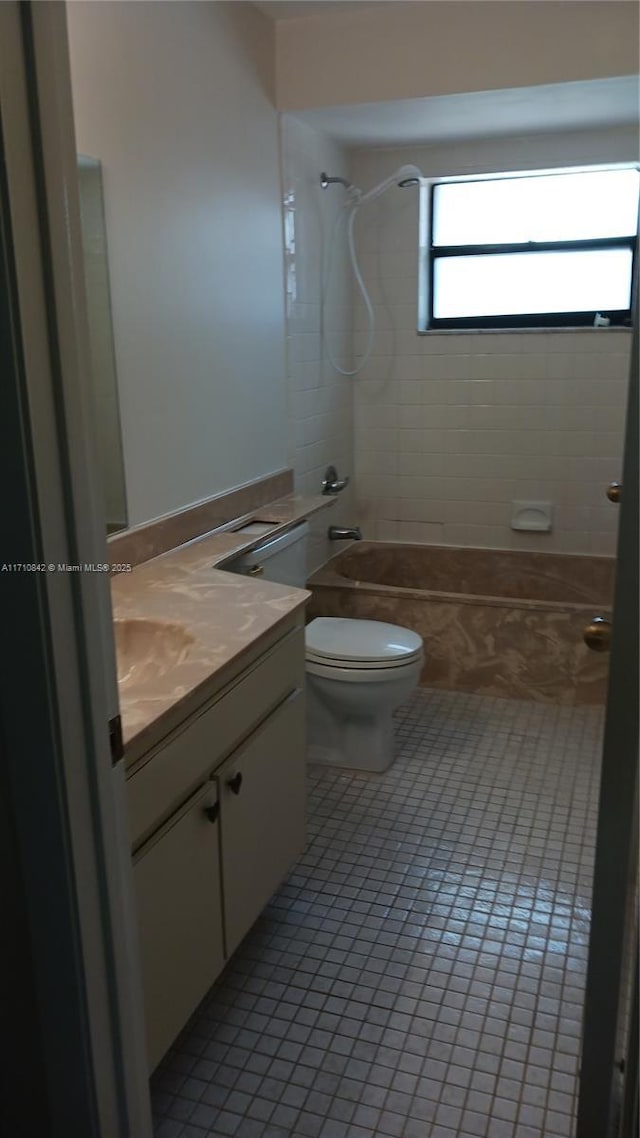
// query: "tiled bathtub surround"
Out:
[454,429]
[451,428]
[320,400]
[421,972]
[501,622]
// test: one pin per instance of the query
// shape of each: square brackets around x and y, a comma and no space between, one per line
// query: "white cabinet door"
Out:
[177,882]
[261,789]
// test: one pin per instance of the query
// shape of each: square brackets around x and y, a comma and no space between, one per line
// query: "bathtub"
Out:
[502,622]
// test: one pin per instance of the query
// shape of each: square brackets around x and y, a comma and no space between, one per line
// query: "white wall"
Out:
[405,51]
[452,428]
[321,400]
[175,99]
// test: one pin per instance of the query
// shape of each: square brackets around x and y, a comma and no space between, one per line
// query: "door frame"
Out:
[606,1102]
[67,875]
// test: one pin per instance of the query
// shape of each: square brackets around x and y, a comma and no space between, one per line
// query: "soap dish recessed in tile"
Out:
[532,517]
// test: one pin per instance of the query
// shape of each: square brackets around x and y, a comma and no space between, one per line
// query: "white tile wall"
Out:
[320,400]
[450,429]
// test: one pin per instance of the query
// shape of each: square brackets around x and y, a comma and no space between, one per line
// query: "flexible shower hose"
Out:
[351,207]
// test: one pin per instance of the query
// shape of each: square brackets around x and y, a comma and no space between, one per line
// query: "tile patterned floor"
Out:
[420,974]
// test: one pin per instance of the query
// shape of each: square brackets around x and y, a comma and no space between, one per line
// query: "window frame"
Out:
[620,317]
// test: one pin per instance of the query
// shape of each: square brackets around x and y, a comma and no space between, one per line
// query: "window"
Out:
[533,250]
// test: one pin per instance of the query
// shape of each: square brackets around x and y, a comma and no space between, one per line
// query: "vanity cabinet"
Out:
[217,818]
[161,780]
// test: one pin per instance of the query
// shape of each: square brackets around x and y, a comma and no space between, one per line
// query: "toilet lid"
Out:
[360,642]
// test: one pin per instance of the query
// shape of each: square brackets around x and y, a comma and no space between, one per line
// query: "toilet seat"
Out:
[363,675]
[363,645]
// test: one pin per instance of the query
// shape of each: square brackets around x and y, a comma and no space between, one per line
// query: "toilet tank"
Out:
[282,558]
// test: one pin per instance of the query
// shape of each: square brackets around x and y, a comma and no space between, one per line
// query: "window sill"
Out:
[520,331]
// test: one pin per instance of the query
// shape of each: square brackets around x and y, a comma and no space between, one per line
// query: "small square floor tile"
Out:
[420,973]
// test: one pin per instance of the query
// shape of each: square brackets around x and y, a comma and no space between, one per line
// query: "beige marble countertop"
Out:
[224,544]
[191,624]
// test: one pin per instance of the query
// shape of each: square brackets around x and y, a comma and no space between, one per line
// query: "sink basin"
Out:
[147,649]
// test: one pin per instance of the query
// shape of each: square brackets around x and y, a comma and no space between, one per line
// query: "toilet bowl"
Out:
[358,671]
[358,674]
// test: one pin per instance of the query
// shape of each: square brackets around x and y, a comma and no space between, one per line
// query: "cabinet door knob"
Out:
[212,812]
[235,783]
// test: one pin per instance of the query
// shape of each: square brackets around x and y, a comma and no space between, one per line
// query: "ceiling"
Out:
[589,104]
[291,9]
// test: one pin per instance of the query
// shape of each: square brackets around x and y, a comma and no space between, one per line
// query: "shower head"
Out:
[325,181]
[408,182]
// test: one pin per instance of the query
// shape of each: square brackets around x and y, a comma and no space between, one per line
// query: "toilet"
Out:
[358,671]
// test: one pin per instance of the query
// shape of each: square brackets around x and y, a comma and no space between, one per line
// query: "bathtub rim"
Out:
[330,578]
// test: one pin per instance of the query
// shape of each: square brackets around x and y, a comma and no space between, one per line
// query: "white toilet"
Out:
[358,671]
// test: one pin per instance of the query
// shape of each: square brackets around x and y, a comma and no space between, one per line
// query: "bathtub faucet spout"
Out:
[339,533]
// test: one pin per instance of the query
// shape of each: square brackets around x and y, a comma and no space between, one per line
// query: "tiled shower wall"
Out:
[452,428]
[320,400]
